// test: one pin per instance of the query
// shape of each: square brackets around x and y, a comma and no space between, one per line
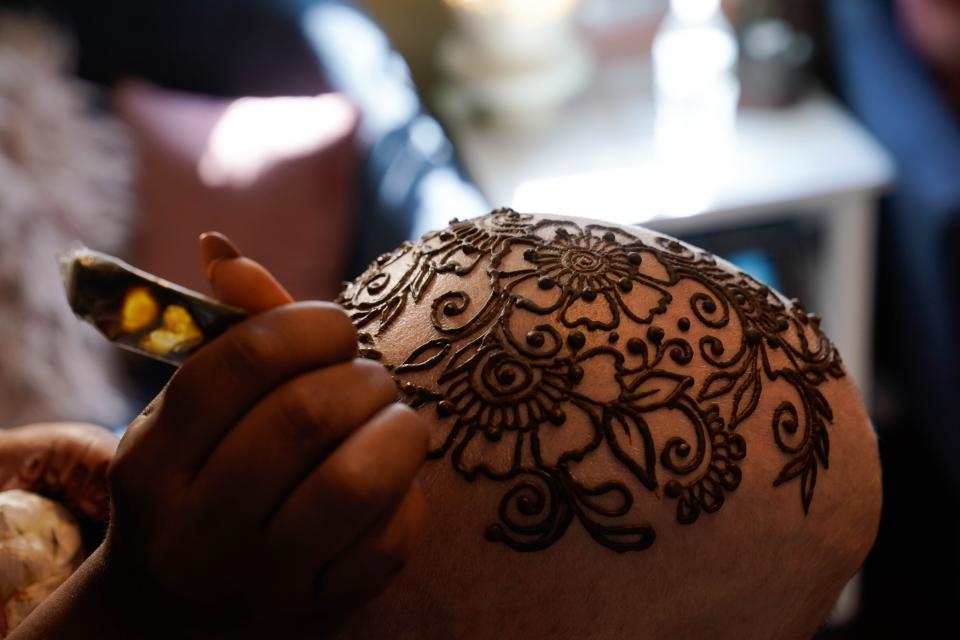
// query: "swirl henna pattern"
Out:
[573,288]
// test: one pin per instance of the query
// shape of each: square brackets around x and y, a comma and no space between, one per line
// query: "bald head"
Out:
[630,438]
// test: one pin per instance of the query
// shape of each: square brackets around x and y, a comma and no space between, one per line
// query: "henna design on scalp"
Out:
[590,282]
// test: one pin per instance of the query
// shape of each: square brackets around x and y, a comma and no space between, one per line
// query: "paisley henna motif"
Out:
[700,360]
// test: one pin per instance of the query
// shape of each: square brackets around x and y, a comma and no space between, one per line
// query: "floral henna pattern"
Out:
[505,396]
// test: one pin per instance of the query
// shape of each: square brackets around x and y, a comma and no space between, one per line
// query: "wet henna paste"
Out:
[593,283]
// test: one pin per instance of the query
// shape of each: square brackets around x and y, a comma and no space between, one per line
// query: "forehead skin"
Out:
[629,436]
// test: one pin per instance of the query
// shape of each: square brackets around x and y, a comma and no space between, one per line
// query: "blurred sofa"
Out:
[232,48]
[275,174]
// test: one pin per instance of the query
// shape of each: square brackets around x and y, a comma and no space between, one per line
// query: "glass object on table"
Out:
[514,60]
[696,92]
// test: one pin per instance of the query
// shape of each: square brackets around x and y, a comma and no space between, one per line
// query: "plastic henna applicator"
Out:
[139,311]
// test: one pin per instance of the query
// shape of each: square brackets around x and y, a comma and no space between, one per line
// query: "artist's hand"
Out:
[65,461]
[274,476]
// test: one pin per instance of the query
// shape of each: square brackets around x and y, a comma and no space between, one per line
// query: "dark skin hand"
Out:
[271,483]
[63,461]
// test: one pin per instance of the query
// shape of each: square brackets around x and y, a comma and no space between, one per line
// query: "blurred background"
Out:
[814,143]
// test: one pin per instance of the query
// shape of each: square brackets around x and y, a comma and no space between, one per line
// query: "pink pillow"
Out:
[277,175]
[933,28]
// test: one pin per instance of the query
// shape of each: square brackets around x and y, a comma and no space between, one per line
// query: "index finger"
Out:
[236,280]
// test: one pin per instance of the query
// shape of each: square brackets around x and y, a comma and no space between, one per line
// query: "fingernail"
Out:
[214,247]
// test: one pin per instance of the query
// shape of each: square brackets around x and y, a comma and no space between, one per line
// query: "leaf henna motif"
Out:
[653,389]
[527,408]
[626,430]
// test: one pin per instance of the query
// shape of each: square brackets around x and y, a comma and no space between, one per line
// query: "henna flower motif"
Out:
[597,278]
[585,263]
[493,390]
[498,397]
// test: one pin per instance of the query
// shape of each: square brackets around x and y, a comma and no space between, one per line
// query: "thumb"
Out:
[236,280]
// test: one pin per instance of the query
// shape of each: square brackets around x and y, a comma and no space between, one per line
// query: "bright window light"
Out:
[255,134]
